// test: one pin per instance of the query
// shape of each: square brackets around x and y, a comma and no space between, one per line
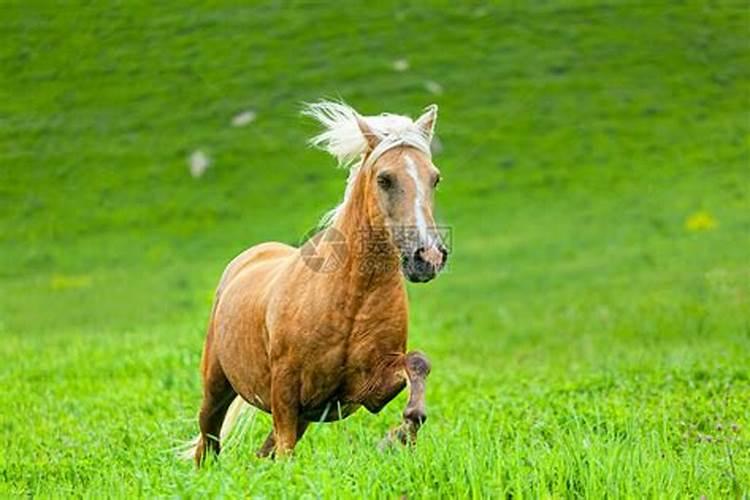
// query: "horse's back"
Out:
[253,256]
[246,284]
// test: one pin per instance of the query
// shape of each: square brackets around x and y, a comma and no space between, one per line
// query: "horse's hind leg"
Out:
[269,444]
[417,369]
[218,394]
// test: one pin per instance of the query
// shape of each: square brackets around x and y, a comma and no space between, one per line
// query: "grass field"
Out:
[591,337]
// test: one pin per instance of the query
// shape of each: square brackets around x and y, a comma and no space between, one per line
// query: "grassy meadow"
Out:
[590,339]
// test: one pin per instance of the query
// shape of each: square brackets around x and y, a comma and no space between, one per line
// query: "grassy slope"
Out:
[584,341]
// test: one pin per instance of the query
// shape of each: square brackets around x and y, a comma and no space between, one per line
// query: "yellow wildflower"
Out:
[62,282]
[700,221]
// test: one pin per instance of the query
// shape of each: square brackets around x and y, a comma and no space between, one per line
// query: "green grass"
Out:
[585,341]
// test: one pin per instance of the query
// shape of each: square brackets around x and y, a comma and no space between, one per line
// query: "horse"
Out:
[311,334]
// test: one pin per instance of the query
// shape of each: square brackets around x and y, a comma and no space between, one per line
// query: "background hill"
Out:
[591,336]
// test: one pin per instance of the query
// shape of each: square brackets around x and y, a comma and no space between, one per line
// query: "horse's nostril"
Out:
[444,252]
[418,255]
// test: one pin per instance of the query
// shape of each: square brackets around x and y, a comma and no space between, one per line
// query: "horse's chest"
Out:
[343,374]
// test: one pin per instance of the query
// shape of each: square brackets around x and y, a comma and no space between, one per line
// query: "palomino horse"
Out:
[314,333]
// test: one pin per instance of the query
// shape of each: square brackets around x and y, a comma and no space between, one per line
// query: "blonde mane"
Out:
[343,139]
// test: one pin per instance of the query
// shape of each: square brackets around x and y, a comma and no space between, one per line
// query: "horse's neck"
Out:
[372,261]
[368,284]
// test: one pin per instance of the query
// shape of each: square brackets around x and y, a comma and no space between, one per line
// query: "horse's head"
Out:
[402,179]
[391,171]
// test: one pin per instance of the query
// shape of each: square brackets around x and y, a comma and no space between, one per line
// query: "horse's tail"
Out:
[237,413]
[238,410]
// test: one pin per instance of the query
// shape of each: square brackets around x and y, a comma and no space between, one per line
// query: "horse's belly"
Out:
[332,411]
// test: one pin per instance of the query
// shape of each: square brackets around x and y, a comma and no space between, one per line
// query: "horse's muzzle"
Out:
[425,263]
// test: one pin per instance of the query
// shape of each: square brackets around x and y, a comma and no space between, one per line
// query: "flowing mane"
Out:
[343,139]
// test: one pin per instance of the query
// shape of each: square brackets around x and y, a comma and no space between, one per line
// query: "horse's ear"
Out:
[371,139]
[427,121]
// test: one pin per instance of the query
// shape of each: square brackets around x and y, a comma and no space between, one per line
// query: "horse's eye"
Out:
[385,181]
[436,181]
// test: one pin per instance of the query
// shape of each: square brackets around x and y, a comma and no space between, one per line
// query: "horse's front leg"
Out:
[417,369]
[269,445]
[285,412]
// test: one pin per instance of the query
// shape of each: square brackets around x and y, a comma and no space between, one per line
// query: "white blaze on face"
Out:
[419,220]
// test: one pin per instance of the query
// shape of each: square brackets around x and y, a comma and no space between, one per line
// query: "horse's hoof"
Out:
[405,434]
[416,416]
